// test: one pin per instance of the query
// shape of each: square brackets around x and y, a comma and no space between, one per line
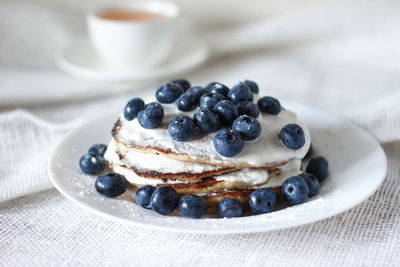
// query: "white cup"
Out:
[130,43]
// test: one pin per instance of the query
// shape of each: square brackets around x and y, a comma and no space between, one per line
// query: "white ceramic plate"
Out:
[80,59]
[357,167]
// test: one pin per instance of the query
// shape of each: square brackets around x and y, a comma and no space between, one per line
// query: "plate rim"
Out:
[224,231]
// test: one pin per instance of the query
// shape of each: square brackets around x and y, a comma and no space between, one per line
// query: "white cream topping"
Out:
[250,176]
[146,161]
[133,178]
[289,170]
[259,176]
[267,148]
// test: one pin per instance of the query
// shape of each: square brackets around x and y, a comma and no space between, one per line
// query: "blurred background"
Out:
[338,55]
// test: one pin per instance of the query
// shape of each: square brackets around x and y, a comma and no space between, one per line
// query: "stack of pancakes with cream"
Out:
[152,157]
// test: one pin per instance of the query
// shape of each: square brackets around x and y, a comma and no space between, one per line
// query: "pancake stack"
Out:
[152,157]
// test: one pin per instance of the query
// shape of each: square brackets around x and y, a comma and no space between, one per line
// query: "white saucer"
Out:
[357,167]
[79,59]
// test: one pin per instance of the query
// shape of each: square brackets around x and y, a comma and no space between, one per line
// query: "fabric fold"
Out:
[26,143]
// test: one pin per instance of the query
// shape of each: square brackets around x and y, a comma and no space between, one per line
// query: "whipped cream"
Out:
[267,148]
[260,177]
[248,176]
[292,168]
[135,179]
[147,161]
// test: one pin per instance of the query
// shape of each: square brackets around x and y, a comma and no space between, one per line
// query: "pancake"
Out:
[241,179]
[209,185]
[151,156]
[265,152]
[156,166]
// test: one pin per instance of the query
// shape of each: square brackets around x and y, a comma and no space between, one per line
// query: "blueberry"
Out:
[184,84]
[151,116]
[219,88]
[209,100]
[262,200]
[164,200]
[228,143]
[248,108]
[209,85]
[292,136]
[318,167]
[92,164]
[198,91]
[269,105]
[111,184]
[98,149]
[227,112]
[206,120]
[186,102]
[229,208]
[248,127]
[132,108]
[239,93]
[168,93]
[192,206]
[295,190]
[143,196]
[312,182]
[181,128]
[252,85]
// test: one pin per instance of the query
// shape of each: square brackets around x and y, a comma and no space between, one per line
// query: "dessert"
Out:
[210,149]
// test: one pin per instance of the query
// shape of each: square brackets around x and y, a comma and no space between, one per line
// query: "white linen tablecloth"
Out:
[351,69]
